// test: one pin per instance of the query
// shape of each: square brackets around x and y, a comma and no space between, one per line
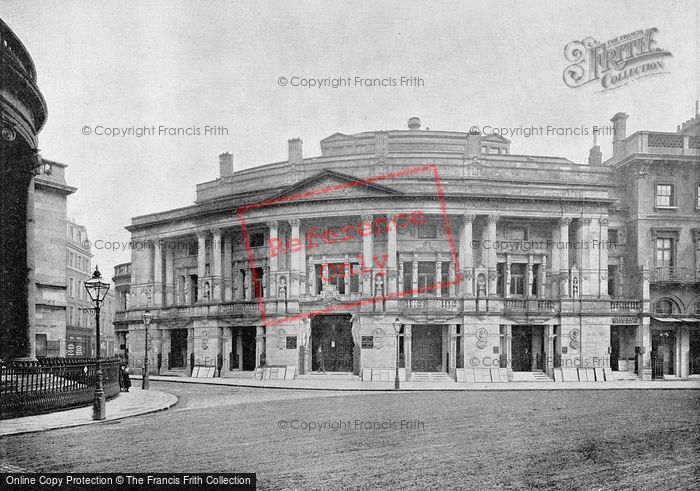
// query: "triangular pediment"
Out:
[330,184]
[495,138]
[336,136]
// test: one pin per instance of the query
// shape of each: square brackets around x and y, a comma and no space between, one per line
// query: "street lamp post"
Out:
[97,290]
[147,317]
[397,330]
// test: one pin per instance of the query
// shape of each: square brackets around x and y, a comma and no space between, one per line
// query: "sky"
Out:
[191,64]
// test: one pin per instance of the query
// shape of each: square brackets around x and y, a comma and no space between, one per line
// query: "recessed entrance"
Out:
[663,346]
[427,348]
[527,348]
[242,355]
[333,335]
[178,348]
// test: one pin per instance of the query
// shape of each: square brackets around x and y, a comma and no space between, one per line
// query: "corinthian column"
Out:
[466,254]
[491,253]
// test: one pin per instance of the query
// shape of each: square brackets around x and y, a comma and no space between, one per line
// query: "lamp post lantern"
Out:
[97,290]
[397,330]
[147,317]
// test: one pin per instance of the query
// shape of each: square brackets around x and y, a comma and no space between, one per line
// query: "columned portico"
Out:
[490,247]
[201,262]
[564,256]
[157,273]
[466,254]
[295,259]
[216,273]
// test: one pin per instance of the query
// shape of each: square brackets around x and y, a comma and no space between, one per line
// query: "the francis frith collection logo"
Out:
[616,62]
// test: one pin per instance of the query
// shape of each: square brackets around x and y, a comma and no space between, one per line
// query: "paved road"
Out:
[326,440]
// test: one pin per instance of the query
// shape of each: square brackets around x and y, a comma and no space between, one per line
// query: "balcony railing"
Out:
[534,305]
[431,304]
[675,275]
[625,305]
[662,143]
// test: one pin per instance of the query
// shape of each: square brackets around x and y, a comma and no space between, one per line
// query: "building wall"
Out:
[50,202]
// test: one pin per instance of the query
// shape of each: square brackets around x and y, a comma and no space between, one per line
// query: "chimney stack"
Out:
[619,122]
[473,144]
[295,151]
[595,156]
[225,165]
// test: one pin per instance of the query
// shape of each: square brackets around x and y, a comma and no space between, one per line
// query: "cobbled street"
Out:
[332,440]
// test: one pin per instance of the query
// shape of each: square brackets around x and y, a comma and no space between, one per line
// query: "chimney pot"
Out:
[414,123]
[225,165]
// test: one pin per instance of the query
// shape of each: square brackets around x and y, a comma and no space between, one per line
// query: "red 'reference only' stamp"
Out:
[367,264]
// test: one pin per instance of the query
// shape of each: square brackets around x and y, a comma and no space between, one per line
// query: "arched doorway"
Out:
[333,335]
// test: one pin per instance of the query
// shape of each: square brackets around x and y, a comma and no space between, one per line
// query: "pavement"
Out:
[345,383]
[126,404]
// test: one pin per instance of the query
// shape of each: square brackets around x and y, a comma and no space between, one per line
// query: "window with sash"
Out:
[664,195]
[664,252]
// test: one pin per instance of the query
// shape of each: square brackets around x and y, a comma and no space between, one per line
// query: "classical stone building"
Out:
[443,250]
[51,301]
[22,115]
[660,205]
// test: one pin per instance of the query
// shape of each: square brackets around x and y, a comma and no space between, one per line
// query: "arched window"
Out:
[665,306]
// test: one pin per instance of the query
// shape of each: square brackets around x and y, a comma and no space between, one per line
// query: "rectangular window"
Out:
[407,277]
[426,278]
[613,235]
[427,231]
[291,342]
[445,280]
[334,274]
[500,278]
[664,195]
[517,279]
[257,239]
[517,234]
[664,253]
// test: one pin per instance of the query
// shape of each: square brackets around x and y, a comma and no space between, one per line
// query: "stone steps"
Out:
[530,377]
[624,376]
[431,377]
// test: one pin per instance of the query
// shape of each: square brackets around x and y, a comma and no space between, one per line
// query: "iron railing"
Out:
[51,384]
[675,275]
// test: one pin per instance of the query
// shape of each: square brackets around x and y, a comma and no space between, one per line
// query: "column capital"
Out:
[585,221]
[295,222]
[604,221]
[366,217]
[272,224]
[468,217]
[201,234]
[564,221]
[493,217]
[215,231]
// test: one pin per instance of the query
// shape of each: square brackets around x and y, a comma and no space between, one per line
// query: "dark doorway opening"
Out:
[426,348]
[333,335]
[178,348]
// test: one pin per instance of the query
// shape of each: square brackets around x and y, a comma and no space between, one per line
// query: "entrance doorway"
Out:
[663,346]
[242,355]
[178,348]
[622,342]
[527,348]
[333,335]
[426,348]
